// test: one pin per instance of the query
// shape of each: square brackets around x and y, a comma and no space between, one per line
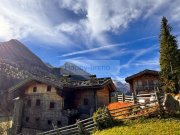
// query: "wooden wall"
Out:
[103,97]
[80,96]
[138,81]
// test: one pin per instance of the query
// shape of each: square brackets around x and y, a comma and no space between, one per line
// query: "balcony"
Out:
[145,88]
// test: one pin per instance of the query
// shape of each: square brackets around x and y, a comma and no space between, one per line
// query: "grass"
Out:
[153,126]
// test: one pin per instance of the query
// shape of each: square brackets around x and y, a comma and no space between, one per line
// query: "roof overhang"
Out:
[147,71]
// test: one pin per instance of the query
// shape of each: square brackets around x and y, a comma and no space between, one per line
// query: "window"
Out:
[151,82]
[27,119]
[38,102]
[29,103]
[52,105]
[34,89]
[144,82]
[139,83]
[49,122]
[58,123]
[86,101]
[48,88]
[37,120]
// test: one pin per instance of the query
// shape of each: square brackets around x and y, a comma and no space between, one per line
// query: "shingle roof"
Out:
[72,84]
[96,82]
[146,71]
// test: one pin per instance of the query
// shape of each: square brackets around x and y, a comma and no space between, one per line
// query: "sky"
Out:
[110,38]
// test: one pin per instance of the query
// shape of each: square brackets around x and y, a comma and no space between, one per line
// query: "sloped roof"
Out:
[95,83]
[146,71]
[43,80]
[72,84]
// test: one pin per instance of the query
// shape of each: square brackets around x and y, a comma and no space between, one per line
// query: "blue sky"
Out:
[121,34]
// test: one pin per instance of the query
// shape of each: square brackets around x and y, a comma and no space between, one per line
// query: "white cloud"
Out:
[110,15]
[75,5]
[137,54]
[150,62]
[107,47]
[23,18]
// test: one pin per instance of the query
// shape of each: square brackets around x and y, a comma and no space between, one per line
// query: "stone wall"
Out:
[17,116]
[42,108]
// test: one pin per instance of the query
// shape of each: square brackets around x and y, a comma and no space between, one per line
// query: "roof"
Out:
[94,83]
[72,84]
[39,79]
[146,71]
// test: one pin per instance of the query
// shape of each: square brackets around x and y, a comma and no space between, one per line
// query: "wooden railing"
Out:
[80,127]
[134,111]
[135,98]
[122,97]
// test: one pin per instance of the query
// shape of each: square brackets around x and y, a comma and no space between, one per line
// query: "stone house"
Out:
[44,104]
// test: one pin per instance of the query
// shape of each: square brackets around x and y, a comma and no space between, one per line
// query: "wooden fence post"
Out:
[134,98]
[116,95]
[80,127]
[108,113]
[123,97]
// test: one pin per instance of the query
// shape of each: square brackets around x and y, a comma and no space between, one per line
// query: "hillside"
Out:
[151,126]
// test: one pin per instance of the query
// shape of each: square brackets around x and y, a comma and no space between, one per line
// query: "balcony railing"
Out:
[146,87]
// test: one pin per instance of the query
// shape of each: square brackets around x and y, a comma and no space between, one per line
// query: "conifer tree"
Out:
[169,58]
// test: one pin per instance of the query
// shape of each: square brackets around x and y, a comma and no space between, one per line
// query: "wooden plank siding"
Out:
[103,97]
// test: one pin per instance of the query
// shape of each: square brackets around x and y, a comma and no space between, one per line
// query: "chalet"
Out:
[143,82]
[43,104]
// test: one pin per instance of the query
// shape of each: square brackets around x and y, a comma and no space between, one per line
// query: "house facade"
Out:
[43,104]
[143,82]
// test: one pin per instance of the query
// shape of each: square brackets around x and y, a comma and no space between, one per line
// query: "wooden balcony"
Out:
[146,88]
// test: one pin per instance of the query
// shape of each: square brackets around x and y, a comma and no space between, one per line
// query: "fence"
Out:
[81,126]
[87,126]
[136,98]
[134,111]
[122,97]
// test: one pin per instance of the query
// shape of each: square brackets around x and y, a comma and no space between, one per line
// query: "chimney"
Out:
[66,79]
[92,79]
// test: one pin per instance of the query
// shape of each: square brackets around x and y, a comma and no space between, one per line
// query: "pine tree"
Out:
[169,57]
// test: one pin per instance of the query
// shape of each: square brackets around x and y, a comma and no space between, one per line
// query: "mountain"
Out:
[17,62]
[123,87]
[75,71]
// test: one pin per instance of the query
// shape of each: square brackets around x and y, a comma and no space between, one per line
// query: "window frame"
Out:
[27,119]
[52,105]
[34,89]
[49,122]
[29,102]
[38,102]
[49,88]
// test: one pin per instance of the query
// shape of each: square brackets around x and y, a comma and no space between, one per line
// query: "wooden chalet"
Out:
[43,104]
[143,82]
